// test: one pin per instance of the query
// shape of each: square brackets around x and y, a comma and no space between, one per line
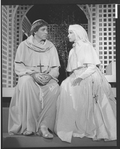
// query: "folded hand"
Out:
[41,79]
[77,81]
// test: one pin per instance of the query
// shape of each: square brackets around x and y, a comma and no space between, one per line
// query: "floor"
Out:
[36,141]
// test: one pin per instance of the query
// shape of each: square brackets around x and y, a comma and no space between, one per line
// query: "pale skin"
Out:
[72,38]
[40,36]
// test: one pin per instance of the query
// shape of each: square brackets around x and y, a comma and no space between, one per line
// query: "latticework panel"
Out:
[106,34]
[17,38]
[103,32]
[7,44]
[4,46]
[26,25]
[11,17]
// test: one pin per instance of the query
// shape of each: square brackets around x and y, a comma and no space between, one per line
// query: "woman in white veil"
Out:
[86,106]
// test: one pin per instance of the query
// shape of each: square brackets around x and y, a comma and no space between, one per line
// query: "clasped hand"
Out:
[41,78]
[77,81]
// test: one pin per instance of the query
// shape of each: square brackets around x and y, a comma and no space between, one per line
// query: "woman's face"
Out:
[71,36]
[42,33]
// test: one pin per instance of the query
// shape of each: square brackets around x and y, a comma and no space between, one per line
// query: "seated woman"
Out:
[33,106]
[86,106]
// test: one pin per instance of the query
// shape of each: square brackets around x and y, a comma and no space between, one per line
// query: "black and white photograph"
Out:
[59,74]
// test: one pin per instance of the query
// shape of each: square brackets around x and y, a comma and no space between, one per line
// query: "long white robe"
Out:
[33,105]
[88,109]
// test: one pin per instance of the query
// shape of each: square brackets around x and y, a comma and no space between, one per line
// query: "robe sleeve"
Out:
[69,69]
[90,60]
[54,57]
[20,67]
[89,71]
[54,73]
[55,63]
[90,55]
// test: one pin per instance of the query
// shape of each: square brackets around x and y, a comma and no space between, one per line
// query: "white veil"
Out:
[83,51]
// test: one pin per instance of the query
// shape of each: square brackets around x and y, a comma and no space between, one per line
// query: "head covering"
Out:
[80,32]
[36,25]
[38,47]
[83,51]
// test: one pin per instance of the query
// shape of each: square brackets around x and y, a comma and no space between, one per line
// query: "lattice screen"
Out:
[107,31]
[4,46]
[7,42]
[19,14]
[26,25]
[103,33]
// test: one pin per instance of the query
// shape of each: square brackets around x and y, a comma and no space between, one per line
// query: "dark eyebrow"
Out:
[44,28]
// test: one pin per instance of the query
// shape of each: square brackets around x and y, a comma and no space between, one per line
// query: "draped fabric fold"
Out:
[86,110]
